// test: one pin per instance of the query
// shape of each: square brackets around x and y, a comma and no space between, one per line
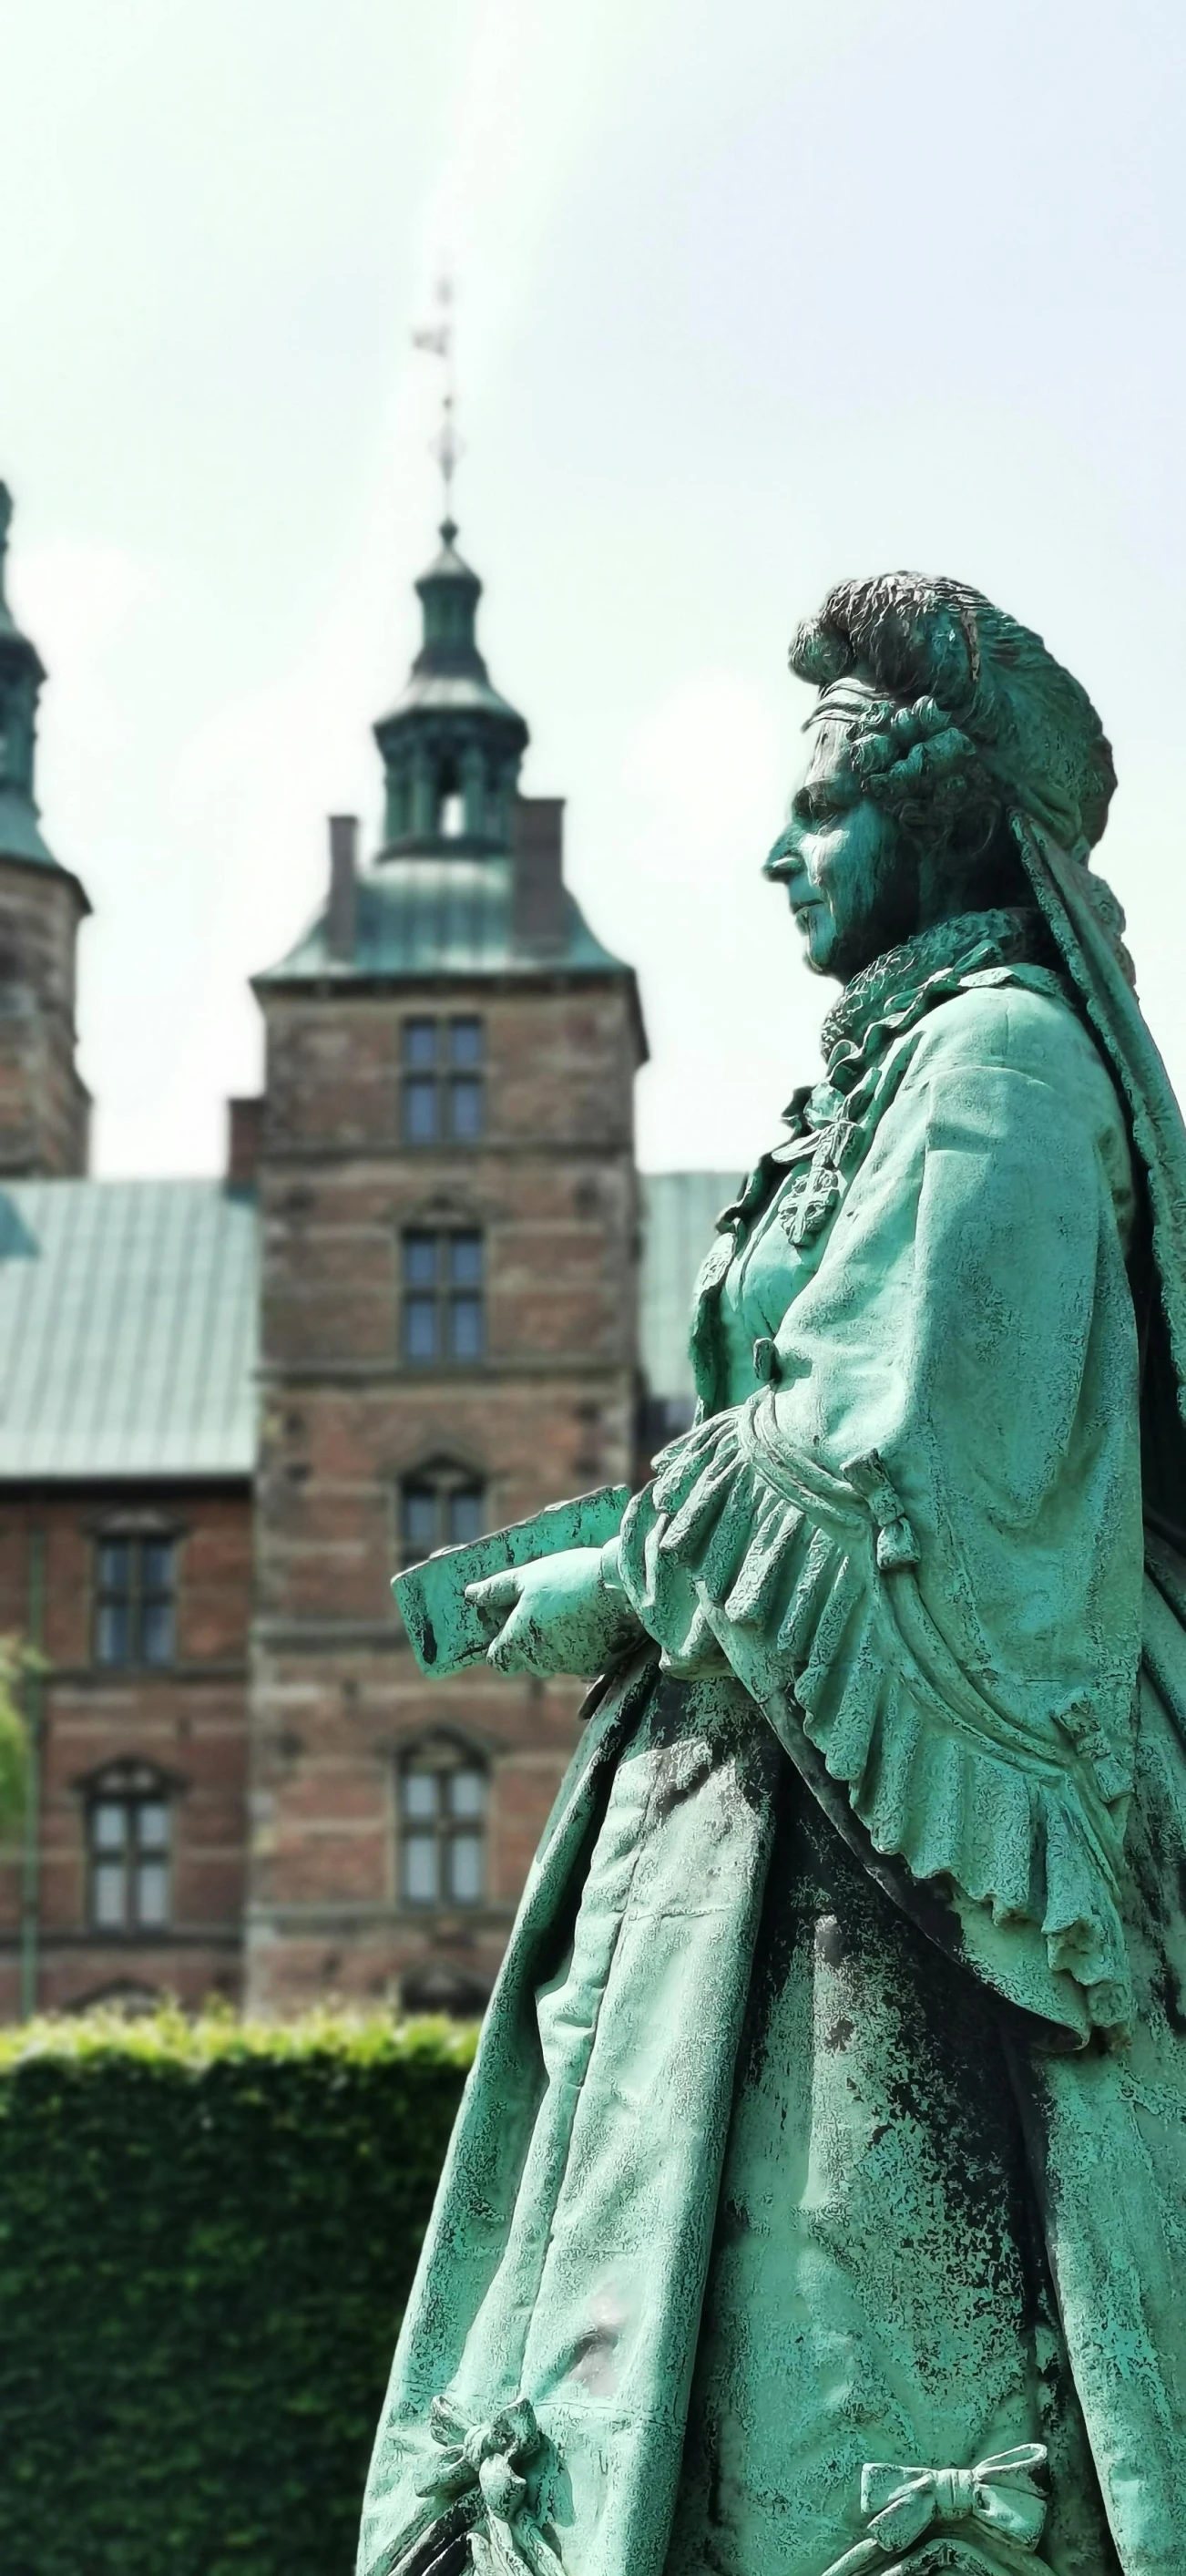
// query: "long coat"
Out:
[819,2194]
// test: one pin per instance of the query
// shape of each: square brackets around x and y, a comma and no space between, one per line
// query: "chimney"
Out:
[342,918]
[245,1119]
[538,906]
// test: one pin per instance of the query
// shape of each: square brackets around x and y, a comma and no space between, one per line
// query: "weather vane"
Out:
[437,337]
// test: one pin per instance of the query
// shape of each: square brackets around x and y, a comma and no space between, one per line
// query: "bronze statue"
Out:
[818,2202]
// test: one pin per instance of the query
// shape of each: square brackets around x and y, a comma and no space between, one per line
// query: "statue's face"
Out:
[848,881]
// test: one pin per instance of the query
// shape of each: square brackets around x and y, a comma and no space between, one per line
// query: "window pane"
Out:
[152,1825]
[420,1328]
[466,1319]
[115,1564]
[467,1792]
[451,819]
[465,1868]
[109,1820]
[111,1633]
[418,1516]
[465,1108]
[465,1261]
[420,1042]
[465,1042]
[420,1110]
[156,1632]
[422,1791]
[157,1565]
[152,1892]
[465,1514]
[420,1868]
[109,1892]
[420,1260]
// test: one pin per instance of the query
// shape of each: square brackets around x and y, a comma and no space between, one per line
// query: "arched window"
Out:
[442,1824]
[440,1505]
[129,1831]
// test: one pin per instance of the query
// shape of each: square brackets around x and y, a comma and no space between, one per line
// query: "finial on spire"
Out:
[437,337]
[5,524]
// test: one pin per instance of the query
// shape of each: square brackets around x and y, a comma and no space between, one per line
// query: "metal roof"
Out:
[679,1213]
[129,1319]
[438,915]
[20,833]
[446,691]
[128,1322]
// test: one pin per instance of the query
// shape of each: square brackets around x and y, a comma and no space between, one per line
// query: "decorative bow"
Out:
[483,2493]
[1003,2493]
[896,1542]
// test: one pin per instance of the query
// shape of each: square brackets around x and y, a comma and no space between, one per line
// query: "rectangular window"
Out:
[136,1600]
[465,1296]
[442,1830]
[420,1045]
[443,1298]
[465,1515]
[466,1103]
[130,1839]
[421,1106]
[443,1088]
[421,1087]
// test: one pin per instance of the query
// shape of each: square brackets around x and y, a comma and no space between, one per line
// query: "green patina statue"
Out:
[818,2202]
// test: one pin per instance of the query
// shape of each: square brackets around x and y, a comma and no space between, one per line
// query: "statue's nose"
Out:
[783,859]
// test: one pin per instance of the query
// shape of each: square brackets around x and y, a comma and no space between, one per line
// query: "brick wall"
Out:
[337,1703]
[187,1721]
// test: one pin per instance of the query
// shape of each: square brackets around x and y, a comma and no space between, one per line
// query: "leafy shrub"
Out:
[17,1662]
[207,2235]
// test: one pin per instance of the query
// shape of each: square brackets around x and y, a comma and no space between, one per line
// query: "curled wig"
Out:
[947,696]
[973,685]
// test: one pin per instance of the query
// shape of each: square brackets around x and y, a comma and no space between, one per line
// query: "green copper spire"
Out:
[451,745]
[21,674]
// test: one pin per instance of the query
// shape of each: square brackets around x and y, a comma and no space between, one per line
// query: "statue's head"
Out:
[940,722]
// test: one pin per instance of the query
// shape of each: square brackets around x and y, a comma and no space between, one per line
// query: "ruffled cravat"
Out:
[967,944]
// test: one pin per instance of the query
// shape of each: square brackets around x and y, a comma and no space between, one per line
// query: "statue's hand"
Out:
[554,1615]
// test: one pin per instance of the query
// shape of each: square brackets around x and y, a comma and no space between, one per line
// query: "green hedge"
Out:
[207,2233]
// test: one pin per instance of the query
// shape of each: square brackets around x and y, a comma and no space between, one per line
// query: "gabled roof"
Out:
[438,915]
[128,1323]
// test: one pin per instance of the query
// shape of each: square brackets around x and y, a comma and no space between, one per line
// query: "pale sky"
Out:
[751,296]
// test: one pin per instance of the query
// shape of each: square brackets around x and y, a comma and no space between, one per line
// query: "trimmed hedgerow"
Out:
[207,2234]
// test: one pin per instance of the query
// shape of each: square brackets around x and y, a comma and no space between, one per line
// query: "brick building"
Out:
[412,1310]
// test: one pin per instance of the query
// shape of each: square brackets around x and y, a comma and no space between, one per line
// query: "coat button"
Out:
[763,1359]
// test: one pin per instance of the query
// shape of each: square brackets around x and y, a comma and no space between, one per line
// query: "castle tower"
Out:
[451,746]
[44,1105]
[448,1219]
